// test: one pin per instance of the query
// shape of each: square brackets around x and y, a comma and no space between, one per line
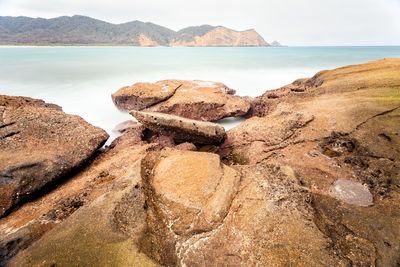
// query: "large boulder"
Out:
[198,100]
[38,145]
[181,129]
[215,215]
[143,95]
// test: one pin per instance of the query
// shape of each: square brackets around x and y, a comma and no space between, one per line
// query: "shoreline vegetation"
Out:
[310,178]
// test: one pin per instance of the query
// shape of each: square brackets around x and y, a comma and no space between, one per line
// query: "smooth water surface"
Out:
[82,79]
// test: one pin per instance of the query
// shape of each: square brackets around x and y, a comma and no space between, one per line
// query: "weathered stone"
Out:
[99,234]
[199,100]
[202,212]
[38,145]
[207,191]
[131,136]
[182,129]
[143,95]
[340,124]
[33,219]
[186,146]
[283,209]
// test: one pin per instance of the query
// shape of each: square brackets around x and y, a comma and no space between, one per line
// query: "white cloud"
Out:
[294,22]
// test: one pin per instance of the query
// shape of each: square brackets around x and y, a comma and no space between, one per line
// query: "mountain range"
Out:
[85,30]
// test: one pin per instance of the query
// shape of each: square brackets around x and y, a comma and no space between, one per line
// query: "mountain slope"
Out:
[86,30]
[218,36]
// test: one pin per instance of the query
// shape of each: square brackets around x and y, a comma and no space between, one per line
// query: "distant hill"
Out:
[86,30]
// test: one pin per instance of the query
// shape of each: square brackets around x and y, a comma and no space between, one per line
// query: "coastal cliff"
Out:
[221,36]
[310,178]
[85,30]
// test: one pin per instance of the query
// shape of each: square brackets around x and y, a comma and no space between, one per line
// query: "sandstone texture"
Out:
[38,145]
[311,179]
[216,215]
[106,178]
[341,125]
[198,100]
[98,234]
[182,129]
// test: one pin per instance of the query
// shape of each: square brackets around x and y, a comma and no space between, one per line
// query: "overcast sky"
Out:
[292,22]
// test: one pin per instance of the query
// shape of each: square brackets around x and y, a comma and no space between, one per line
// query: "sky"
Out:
[291,22]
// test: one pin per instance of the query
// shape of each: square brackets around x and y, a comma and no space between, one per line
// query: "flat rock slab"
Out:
[352,193]
[38,145]
[182,129]
[198,100]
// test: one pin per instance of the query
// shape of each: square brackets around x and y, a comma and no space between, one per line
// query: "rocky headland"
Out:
[311,178]
[83,30]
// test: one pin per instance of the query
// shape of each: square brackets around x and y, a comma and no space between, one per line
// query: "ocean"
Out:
[82,79]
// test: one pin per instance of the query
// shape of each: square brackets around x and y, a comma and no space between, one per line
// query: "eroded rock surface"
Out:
[312,180]
[143,95]
[38,145]
[181,129]
[198,100]
[111,171]
[223,216]
[340,124]
[101,233]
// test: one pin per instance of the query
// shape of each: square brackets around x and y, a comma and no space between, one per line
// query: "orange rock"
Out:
[202,212]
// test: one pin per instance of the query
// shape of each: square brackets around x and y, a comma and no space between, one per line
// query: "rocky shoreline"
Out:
[311,178]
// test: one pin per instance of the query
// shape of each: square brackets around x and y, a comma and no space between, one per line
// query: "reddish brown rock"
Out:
[131,136]
[38,145]
[143,95]
[199,100]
